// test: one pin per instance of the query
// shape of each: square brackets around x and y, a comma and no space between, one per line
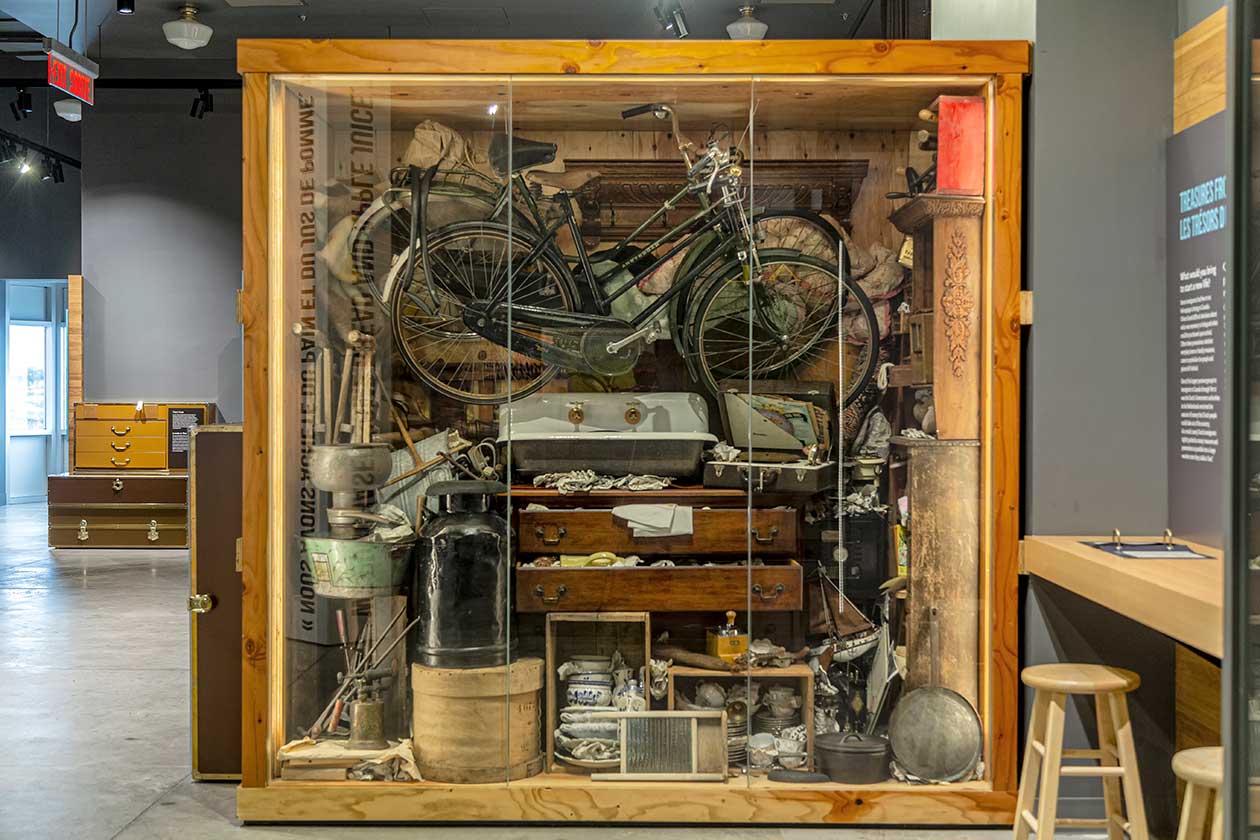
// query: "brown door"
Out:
[214,497]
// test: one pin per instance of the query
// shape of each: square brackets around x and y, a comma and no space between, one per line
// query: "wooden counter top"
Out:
[1183,599]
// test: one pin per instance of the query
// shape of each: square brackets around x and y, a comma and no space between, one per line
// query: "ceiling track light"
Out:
[126,7]
[203,103]
[670,17]
[187,32]
[32,160]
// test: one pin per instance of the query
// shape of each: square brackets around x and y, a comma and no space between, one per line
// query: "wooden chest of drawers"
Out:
[122,436]
[117,510]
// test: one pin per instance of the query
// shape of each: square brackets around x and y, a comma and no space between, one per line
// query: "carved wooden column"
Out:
[944,587]
[947,283]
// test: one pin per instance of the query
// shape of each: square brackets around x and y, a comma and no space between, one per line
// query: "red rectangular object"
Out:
[960,145]
[65,75]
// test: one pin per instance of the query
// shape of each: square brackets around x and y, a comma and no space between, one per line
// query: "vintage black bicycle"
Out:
[485,305]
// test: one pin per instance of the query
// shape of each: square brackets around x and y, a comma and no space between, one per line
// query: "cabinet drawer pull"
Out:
[118,485]
[83,532]
[125,431]
[757,590]
[542,595]
[114,446]
[774,532]
[541,533]
[114,461]
[153,531]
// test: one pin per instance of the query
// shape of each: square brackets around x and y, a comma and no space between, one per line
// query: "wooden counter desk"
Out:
[1183,599]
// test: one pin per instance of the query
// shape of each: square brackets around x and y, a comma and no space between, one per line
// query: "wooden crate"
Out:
[629,632]
[801,674]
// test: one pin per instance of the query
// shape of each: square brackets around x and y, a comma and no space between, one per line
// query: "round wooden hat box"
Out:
[465,720]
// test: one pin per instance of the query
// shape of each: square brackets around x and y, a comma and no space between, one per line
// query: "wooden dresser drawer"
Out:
[713,532]
[119,460]
[121,446]
[118,526]
[117,488]
[121,429]
[678,589]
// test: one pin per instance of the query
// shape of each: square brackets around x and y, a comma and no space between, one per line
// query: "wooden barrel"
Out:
[477,725]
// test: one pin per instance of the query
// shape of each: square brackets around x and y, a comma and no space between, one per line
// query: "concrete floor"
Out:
[94,710]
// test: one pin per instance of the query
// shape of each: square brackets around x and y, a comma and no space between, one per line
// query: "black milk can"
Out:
[461,579]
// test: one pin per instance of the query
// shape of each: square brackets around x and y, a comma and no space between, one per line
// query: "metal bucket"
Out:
[358,568]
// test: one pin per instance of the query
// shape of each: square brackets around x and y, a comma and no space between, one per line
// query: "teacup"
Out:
[790,761]
[789,745]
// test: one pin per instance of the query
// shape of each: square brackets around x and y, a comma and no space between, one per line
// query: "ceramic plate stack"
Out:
[737,734]
[766,721]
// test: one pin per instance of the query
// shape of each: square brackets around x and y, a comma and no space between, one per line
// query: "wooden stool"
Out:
[1044,754]
[1202,769]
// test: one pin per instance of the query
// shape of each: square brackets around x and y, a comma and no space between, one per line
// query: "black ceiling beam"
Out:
[19,140]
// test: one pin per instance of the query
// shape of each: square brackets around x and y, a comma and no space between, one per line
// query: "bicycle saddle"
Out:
[525,153]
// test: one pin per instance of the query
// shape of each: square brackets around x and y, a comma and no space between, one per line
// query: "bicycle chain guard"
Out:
[556,339]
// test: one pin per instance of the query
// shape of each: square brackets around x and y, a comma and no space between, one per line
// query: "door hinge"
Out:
[238,553]
[240,306]
[1025,308]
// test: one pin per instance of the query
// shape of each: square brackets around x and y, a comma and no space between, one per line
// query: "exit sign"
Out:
[71,72]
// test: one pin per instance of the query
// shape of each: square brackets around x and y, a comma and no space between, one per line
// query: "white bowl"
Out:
[762,741]
[585,694]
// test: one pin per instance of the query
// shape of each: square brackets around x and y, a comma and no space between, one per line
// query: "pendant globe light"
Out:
[187,33]
[747,28]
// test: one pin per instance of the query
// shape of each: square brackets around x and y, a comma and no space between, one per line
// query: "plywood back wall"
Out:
[885,150]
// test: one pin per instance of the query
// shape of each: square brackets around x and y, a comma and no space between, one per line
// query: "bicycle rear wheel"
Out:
[782,322]
[474,261]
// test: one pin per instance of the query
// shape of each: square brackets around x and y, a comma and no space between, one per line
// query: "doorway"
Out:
[35,394]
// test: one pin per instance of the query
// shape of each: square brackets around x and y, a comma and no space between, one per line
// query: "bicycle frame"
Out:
[600,298]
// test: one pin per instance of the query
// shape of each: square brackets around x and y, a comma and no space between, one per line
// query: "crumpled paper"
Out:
[584,481]
[398,755]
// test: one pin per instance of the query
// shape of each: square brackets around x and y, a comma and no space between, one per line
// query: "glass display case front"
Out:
[628,429]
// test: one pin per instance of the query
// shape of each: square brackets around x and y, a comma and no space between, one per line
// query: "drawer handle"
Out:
[542,595]
[153,534]
[774,532]
[114,461]
[83,534]
[114,446]
[118,485]
[541,533]
[773,596]
[125,431]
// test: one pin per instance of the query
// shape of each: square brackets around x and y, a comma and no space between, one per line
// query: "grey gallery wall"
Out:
[162,248]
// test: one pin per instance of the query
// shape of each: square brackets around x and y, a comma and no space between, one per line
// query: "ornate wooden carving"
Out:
[946,281]
[958,304]
[628,191]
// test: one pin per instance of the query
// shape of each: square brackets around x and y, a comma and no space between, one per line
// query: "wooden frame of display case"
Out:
[997,69]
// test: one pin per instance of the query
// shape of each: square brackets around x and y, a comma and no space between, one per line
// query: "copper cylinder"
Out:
[944,493]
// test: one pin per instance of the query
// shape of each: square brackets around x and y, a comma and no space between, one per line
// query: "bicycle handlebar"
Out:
[637,110]
[658,108]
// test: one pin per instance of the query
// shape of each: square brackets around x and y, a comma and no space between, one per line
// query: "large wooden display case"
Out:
[833,102]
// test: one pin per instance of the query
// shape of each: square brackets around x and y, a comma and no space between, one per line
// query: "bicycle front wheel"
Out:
[782,321]
[475,261]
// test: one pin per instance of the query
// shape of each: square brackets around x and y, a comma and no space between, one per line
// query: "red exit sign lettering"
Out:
[65,76]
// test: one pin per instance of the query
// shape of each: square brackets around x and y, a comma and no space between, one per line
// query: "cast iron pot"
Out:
[852,758]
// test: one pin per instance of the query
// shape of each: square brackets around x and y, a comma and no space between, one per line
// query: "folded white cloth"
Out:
[655,520]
